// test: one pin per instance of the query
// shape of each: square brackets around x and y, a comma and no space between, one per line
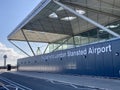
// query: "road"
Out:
[17,82]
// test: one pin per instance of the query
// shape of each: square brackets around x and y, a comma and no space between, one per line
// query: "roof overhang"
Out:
[49,22]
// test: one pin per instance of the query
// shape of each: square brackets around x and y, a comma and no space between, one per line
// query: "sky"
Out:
[12,12]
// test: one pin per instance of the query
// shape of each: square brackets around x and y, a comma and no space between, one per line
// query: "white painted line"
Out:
[52,81]
[73,86]
[11,86]
[16,89]
[5,87]
[64,83]
[11,83]
[15,84]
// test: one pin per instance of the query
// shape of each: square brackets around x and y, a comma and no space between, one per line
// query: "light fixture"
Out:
[53,15]
[113,26]
[80,11]
[101,31]
[109,26]
[69,18]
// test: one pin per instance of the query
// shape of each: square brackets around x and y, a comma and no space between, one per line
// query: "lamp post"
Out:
[5,57]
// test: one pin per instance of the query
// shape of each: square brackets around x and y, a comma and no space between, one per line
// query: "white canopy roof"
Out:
[49,22]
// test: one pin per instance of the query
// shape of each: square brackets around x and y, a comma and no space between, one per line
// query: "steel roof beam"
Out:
[19,48]
[87,19]
[90,9]
[27,42]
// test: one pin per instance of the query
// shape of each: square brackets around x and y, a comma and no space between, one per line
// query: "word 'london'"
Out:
[79,52]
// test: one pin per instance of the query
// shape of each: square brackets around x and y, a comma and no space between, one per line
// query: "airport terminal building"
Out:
[82,36]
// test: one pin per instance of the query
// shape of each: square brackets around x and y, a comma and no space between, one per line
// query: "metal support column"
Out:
[46,48]
[61,44]
[19,48]
[28,42]
[74,41]
[87,19]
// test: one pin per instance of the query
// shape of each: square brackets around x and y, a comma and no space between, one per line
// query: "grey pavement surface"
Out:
[32,83]
[86,81]
[8,84]
[5,85]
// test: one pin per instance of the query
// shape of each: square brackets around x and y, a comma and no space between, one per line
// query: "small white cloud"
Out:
[12,55]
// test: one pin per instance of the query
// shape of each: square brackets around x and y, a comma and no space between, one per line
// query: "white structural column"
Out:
[87,19]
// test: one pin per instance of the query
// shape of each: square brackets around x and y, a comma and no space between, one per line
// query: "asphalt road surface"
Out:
[10,81]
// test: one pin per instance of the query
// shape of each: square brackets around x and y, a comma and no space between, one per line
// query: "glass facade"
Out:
[90,36]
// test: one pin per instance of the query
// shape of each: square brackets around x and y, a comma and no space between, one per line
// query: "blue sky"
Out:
[12,12]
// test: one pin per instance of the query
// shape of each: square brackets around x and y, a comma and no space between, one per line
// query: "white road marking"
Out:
[17,85]
[51,81]
[73,86]
[12,86]
[5,87]
[16,89]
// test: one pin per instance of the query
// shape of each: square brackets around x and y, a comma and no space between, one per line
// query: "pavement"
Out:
[86,81]
[7,84]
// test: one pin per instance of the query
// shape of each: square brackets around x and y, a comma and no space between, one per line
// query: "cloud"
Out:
[12,55]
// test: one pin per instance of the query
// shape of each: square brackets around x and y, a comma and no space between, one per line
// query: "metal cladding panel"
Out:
[62,62]
[90,61]
[108,61]
[116,57]
[54,65]
[100,59]
[57,64]
[71,64]
[65,61]
[82,65]
[99,63]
